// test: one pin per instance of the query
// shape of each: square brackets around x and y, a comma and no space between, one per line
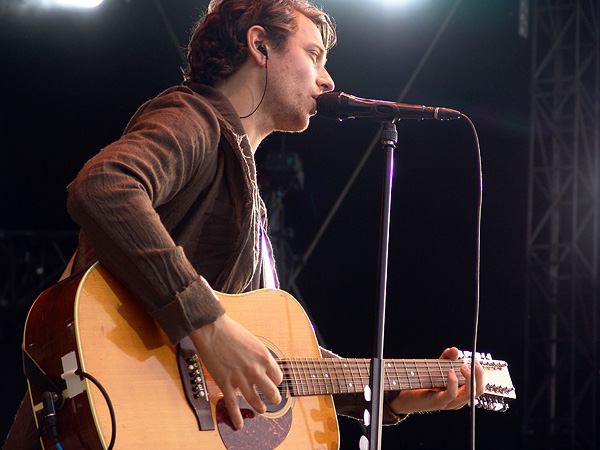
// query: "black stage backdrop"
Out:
[70,80]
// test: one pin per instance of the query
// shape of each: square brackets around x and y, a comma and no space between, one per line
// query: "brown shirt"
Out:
[172,208]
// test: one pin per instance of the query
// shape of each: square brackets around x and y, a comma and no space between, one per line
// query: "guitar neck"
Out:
[326,376]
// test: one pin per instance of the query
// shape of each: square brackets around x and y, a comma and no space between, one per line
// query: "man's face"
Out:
[297,76]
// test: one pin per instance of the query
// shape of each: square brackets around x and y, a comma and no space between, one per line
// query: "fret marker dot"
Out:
[412,374]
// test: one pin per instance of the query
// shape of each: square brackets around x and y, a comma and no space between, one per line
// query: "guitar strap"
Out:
[39,380]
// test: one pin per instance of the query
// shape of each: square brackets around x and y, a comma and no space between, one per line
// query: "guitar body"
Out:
[120,345]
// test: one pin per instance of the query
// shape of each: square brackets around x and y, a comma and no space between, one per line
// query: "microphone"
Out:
[340,106]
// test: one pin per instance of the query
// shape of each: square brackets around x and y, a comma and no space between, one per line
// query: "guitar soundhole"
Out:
[283,390]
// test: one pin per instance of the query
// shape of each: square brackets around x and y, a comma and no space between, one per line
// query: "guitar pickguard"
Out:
[260,432]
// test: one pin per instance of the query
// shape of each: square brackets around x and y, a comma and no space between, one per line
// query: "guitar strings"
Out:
[308,376]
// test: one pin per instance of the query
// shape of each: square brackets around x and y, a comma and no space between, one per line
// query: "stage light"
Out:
[395,2]
[64,3]
[80,3]
[394,5]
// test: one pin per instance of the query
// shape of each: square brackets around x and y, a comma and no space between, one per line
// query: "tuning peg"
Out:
[491,404]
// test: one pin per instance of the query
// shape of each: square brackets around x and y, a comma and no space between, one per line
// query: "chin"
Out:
[295,126]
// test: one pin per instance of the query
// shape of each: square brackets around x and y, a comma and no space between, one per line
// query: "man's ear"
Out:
[257,45]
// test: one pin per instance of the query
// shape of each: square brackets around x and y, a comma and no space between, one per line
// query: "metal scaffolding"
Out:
[560,396]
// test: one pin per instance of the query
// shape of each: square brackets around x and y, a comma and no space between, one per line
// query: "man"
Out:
[172,209]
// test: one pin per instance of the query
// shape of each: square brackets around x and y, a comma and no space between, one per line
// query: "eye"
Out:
[316,57]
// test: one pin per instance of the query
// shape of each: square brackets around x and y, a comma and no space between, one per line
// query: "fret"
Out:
[418,372]
[387,382]
[305,376]
[312,376]
[341,375]
[431,383]
[393,382]
[358,376]
[288,377]
[330,388]
[322,378]
[408,375]
[349,376]
[352,383]
[336,363]
[397,374]
[365,367]
[314,385]
[296,377]
[312,380]
[442,375]
[360,384]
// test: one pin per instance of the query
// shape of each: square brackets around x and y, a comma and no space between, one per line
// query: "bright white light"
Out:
[80,3]
[26,5]
[395,2]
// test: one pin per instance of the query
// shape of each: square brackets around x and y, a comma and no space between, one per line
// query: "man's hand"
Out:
[453,397]
[236,359]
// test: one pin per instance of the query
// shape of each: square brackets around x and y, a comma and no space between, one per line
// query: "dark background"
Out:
[70,80]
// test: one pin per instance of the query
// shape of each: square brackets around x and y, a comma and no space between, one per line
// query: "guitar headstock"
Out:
[498,385]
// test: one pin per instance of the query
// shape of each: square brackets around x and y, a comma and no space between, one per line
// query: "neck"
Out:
[244,89]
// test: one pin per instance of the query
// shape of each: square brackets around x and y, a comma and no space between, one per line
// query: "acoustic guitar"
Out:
[88,327]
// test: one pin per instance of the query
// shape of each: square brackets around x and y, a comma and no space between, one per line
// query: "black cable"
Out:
[49,419]
[50,415]
[263,94]
[38,436]
[113,420]
[49,406]
[477,285]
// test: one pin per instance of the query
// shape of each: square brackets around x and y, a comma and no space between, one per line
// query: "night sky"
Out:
[70,80]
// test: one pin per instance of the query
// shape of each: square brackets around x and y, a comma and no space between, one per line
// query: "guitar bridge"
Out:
[194,384]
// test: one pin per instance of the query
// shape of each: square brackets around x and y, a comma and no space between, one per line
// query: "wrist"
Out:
[204,336]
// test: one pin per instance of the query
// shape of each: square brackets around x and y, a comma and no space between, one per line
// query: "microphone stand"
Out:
[389,139]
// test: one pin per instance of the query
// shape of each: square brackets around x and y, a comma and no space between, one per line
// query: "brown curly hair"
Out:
[218,46]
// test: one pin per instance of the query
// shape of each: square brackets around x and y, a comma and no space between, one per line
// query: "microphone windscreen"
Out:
[328,105]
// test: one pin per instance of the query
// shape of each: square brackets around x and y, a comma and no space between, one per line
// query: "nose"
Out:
[325,81]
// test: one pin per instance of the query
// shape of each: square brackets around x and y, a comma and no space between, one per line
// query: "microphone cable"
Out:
[49,415]
[113,421]
[477,283]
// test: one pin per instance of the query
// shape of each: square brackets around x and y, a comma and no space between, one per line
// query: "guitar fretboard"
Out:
[326,376]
